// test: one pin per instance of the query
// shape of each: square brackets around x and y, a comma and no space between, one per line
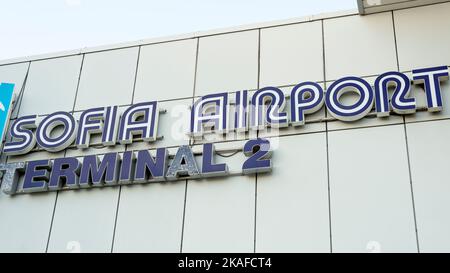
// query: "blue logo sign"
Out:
[6,98]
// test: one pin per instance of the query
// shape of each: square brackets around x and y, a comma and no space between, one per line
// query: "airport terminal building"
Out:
[328,133]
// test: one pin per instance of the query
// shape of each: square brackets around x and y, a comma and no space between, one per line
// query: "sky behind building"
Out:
[37,27]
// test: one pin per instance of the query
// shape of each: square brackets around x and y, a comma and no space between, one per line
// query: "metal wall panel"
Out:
[430,154]
[371,202]
[292,201]
[107,78]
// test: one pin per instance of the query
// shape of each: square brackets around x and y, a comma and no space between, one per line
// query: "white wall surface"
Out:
[292,209]
[371,185]
[429,154]
[370,190]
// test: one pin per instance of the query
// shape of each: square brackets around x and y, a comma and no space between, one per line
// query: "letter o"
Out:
[349,112]
[46,126]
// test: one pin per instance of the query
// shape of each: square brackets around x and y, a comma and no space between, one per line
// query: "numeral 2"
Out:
[259,154]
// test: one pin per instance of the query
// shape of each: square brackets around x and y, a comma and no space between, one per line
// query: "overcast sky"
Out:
[29,27]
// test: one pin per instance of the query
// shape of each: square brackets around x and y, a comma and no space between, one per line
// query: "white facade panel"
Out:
[359,46]
[159,65]
[106,73]
[25,222]
[429,155]
[56,78]
[291,54]
[422,36]
[84,220]
[370,191]
[220,215]
[227,63]
[228,206]
[292,210]
[150,218]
